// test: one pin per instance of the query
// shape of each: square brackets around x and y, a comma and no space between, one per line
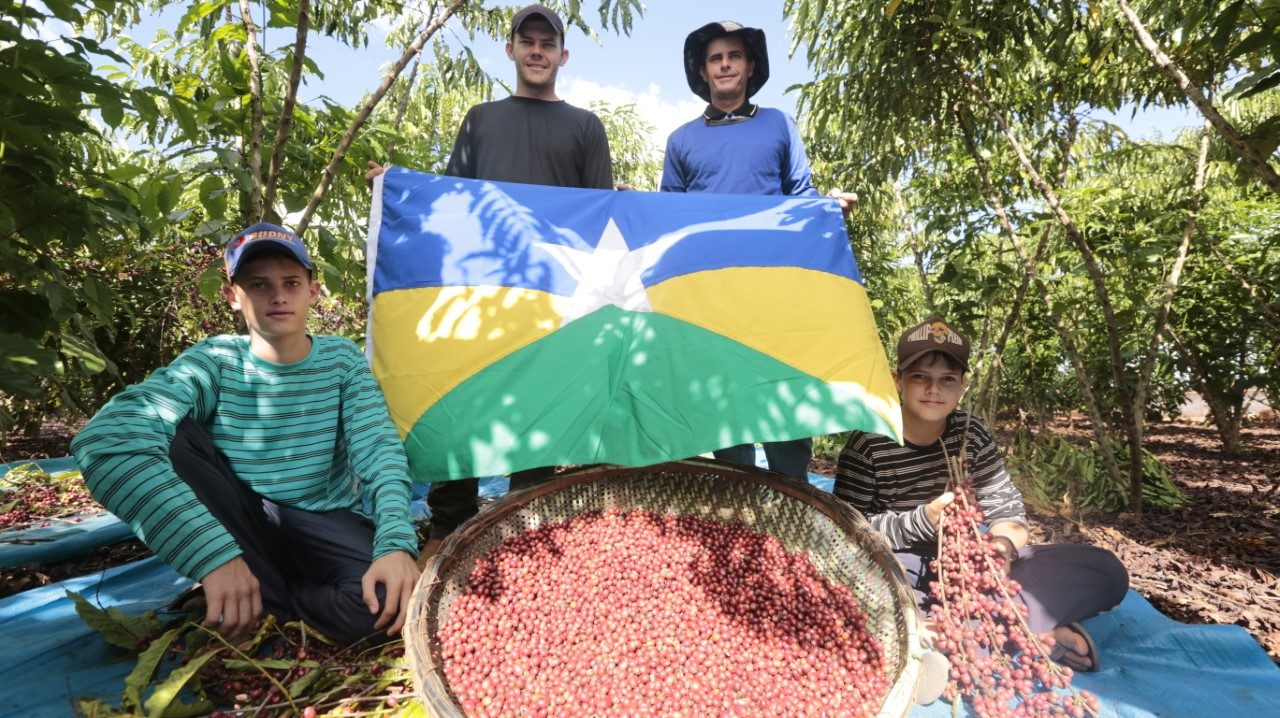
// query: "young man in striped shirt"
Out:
[903,489]
[246,462]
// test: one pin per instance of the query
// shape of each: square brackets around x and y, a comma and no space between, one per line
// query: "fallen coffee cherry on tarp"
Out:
[639,613]
[30,497]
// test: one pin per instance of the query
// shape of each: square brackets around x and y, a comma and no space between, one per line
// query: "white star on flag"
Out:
[610,274]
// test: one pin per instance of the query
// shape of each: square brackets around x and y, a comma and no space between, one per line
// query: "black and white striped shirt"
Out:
[891,484]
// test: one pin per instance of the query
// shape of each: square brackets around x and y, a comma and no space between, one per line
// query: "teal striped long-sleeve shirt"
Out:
[314,435]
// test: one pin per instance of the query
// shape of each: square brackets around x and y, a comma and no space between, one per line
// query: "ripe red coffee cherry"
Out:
[637,613]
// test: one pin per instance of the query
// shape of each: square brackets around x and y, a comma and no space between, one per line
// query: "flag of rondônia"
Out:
[515,326]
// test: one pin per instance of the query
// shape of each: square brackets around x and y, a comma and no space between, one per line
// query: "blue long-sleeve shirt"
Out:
[761,155]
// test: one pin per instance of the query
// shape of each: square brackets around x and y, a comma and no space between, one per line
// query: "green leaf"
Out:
[112,110]
[211,227]
[140,676]
[186,119]
[116,627]
[167,195]
[213,197]
[24,313]
[163,698]
[87,352]
[302,686]
[124,172]
[24,363]
[198,12]
[144,103]
[1263,85]
[274,664]
[228,32]
[210,283]
[200,707]
[101,300]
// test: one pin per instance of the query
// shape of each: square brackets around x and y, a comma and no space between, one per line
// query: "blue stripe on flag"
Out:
[447,231]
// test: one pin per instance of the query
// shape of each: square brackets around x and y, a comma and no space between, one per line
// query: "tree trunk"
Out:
[290,101]
[255,105]
[1092,405]
[1166,300]
[339,152]
[916,249]
[1226,421]
[1256,162]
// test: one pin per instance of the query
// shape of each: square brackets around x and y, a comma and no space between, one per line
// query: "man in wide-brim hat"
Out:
[737,147]
[695,49]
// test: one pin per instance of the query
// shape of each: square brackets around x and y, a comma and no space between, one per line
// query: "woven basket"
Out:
[837,539]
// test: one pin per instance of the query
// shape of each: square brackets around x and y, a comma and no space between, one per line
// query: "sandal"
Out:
[1067,657]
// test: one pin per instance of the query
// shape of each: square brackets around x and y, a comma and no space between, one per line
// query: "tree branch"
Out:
[1123,399]
[1068,142]
[339,152]
[255,105]
[1252,291]
[1256,162]
[290,100]
[1092,405]
[916,248]
[404,103]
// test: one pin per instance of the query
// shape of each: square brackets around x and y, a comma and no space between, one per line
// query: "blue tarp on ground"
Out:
[1152,666]
[49,657]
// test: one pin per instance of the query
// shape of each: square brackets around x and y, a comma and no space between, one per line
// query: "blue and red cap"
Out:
[263,235]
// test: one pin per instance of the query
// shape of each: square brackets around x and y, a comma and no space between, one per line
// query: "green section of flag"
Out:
[630,388]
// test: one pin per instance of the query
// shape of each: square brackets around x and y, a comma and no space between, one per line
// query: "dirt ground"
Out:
[1214,560]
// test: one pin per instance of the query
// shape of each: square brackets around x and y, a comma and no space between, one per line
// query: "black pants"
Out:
[308,564]
[785,457]
[1061,583]
[453,502]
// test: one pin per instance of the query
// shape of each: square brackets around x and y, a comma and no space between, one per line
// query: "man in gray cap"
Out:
[532,137]
[737,147]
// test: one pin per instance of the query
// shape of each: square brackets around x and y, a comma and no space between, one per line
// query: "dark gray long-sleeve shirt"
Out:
[520,139]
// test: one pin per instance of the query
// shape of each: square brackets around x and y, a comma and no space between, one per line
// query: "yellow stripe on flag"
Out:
[429,340]
[815,321]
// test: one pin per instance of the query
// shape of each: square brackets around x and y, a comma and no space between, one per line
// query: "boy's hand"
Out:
[233,598]
[1008,552]
[375,169]
[397,572]
[933,509]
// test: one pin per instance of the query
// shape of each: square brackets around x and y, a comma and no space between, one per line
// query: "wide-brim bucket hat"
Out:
[695,50]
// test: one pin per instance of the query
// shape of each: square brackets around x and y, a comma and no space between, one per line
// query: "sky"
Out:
[644,68]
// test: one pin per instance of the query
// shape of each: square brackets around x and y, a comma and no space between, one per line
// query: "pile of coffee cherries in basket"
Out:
[637,613]
[998,664]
